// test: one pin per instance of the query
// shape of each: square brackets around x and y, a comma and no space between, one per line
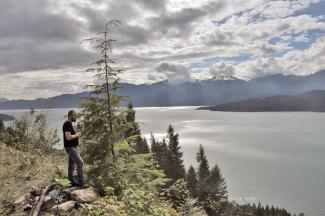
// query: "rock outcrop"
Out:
[55,198]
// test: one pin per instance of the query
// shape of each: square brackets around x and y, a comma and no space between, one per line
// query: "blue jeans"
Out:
[74,159]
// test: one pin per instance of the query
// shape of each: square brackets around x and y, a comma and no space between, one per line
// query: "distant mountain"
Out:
[289,84]
[310,101]
[199,93]
[5,117]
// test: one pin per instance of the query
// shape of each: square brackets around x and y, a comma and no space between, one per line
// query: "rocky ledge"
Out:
[54,199]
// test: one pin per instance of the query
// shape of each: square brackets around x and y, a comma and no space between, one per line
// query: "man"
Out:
[71,142]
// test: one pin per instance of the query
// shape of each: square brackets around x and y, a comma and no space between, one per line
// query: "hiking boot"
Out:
[81,183]
[73,182]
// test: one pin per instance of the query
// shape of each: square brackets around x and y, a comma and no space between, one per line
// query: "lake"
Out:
[273,157]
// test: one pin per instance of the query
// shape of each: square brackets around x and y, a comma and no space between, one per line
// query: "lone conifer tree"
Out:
[102,119]
[203,173]
[175,168]
[107,151]
[203,169]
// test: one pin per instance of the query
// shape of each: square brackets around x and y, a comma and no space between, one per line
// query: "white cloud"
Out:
[298,62]
[222,70]
[179,32]
[260,66]
[175,73]
[305,61]
[40,84]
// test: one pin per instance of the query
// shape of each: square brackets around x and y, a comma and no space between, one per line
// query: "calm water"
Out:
[276,158]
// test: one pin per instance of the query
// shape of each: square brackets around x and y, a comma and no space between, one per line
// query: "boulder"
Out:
[48,203]
[69,190]
[64,207]
[87,195]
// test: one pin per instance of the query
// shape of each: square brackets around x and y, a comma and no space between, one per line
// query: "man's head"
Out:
[72,115]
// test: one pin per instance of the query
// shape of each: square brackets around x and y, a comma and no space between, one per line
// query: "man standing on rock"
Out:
[71,142]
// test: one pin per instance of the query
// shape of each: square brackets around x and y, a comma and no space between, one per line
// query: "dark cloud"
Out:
[36,20]
[97,15]
[182,23]
[34,36]
[28,55]
[176,24]
[154,5]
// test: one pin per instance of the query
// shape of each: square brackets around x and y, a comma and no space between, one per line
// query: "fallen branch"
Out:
[36,209]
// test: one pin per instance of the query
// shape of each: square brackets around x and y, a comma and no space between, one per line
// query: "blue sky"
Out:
[178,40]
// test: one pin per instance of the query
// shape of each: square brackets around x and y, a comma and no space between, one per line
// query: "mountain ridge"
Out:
[200,93]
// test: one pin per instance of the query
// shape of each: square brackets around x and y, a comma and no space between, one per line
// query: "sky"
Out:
[41,54]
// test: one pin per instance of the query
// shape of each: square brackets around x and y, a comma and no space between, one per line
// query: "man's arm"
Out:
[68,135]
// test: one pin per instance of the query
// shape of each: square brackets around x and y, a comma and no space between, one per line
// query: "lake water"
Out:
[273,157]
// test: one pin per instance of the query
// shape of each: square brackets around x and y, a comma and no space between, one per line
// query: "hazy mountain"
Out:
[206,92]
[310,101]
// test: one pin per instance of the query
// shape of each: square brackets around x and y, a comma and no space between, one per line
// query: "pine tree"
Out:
[102,124]
[134,130]
[203,168]
[162,155]
[130,117]
[154,147]
[175,167]
[106,148]
[259,210]
[212,190]
[216,185]
[192,181]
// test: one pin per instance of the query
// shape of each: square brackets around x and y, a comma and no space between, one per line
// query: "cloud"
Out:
[180,32]
[222,70]
[40,84]
[175,73]
[260,66]
[298,62]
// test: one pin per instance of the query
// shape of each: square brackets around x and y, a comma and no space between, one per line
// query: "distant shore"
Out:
[313,101]
[5,117]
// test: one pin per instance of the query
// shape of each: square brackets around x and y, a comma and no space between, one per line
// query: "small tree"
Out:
[179,195]
[216,184]
[102,119]
[140,144]
[192,181]
[106,146]
[211,188]
[101,116]
[175,167]
[153,143]
[203,169]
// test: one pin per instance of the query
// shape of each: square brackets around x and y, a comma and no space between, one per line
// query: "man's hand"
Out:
[68,135]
